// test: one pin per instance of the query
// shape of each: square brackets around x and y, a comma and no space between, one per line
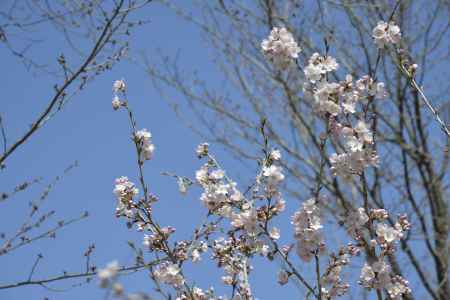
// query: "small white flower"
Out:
[217,174]
[116,103]
[201,175]
[273,174]
[202,150]
[182,185]
[143,138]
[228,280]
[318,66]
[387,233]
[108,273]
[119,86]
[274,233]
[275,154]
[196,255]
[265,249]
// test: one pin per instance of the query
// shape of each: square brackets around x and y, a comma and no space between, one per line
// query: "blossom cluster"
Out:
[234,264]
[332,284]
[219,195]
[308,230]
[378,275]
[336,101]
[169,273]
[280,47]
[318,66]
[386,33]
[358,154]
[125,191]
[357,226]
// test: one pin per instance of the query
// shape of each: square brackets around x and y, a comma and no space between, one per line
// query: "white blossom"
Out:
[364,132]
[387,233]
[356,221]
[275,154]
[143,138]
[378,276]
[119,86]
[367,276]
[274,233]
[273,175]
[202,150]
[108,273]
[280,47]
[169,273]
[228,280]
[116,103]
[246,219]
[318,66]
[125,191]
[386,33]
[182,185]
[307,228]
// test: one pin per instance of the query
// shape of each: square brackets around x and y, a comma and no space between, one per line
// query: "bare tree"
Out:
[411,140]
[104,26]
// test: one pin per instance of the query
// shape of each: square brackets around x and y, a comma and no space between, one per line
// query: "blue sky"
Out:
[90,132]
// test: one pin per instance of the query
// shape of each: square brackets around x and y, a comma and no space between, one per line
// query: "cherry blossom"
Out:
[280,47]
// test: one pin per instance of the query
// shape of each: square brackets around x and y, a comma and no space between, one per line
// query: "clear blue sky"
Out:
[90,132]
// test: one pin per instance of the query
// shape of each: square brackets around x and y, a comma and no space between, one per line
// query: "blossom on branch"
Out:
[386,33]
[307,228]
[143,140]
[280,48]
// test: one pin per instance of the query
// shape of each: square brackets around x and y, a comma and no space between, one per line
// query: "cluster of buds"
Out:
[332,275]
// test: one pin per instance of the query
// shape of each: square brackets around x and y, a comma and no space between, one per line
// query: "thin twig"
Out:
[72,276]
